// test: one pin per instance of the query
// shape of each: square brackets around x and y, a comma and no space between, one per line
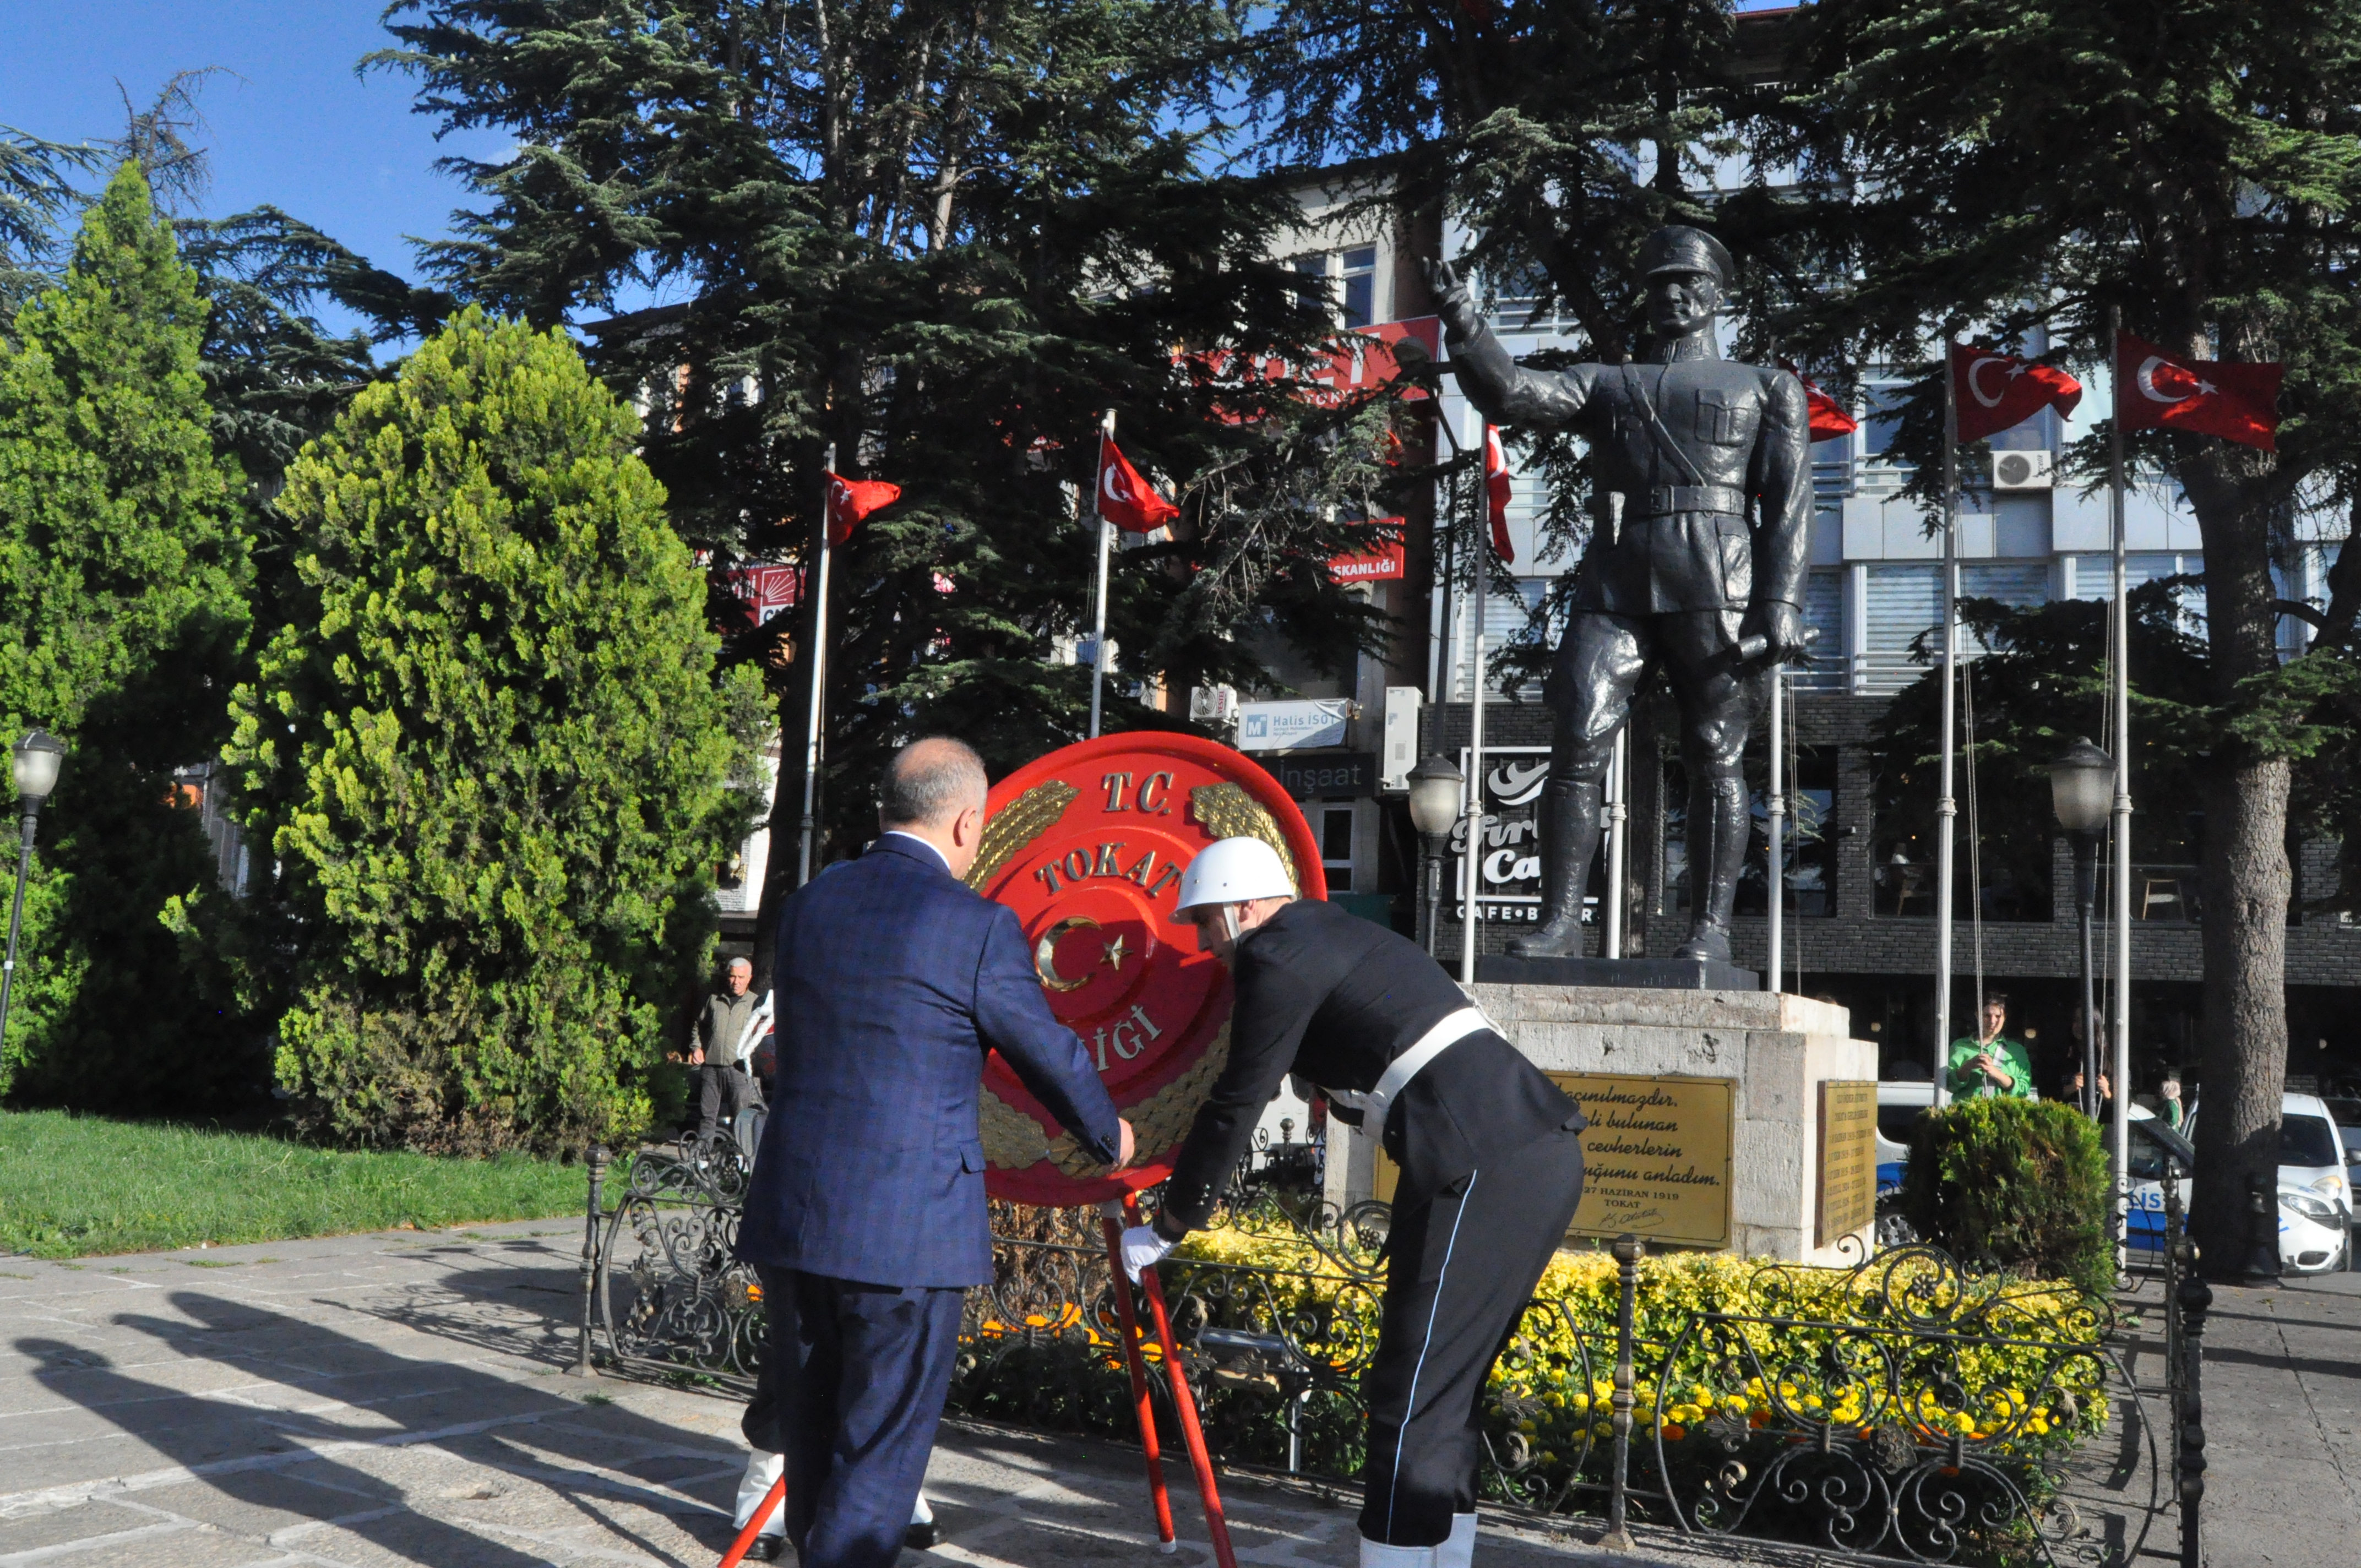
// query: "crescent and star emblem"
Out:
[1045,954]
[1111,481]
[2146,381]
[1975,387]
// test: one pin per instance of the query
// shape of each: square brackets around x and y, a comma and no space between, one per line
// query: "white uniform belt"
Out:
[1374,1105]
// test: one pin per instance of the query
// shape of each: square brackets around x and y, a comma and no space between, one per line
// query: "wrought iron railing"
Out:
[1905,1409]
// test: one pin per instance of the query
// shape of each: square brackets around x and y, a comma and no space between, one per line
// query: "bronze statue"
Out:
[1704,575]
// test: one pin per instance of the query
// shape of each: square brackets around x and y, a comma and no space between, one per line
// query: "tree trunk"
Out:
[2244,1039]
[2244,865]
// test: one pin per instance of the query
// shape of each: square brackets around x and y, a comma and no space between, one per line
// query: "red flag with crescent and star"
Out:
[1128,500]
[1992,391]
[1497,490]
[1829,418]
[2238,402]
[850,500]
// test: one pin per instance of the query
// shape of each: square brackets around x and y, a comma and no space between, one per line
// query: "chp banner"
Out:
[1087,844]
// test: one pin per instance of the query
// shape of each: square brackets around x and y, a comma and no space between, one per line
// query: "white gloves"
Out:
[1143,1248]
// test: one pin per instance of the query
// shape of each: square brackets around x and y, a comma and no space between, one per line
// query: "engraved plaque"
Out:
[1656,1160]
[1848,1187]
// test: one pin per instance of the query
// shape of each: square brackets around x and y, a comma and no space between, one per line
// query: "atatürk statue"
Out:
[1713,463]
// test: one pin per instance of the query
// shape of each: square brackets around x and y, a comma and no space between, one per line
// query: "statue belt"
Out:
[1664,500]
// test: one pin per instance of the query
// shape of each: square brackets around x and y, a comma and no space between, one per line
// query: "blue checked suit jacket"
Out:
[893,978]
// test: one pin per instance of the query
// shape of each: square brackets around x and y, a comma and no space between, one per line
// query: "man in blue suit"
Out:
[865,1218]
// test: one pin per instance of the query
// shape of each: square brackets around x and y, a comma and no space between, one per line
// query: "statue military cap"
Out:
[1676,247]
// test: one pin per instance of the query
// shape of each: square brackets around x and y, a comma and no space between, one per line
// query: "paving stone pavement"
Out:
[399,1399]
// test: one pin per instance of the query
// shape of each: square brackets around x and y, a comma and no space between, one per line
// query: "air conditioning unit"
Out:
[1213,705]
[2024,470]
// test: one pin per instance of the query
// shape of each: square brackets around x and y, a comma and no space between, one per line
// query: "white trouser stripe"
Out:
[1410,1407]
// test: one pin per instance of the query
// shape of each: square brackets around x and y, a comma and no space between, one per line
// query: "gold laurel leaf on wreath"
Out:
[1227,811]
[1158,1123]
[1017,824]
[1011,1139]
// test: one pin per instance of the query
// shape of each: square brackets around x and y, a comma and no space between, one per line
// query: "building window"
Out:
[1809,843]
[1360,285]
[1336,826]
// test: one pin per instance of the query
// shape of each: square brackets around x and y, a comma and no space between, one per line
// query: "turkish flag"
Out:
[1495,493]
[1128,500]
[2238,402]
[1992,391]
[850,501]
[1828,419]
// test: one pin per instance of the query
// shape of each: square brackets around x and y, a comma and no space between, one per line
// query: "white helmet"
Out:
[1231,870]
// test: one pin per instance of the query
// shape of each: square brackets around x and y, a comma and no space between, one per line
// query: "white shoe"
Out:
[1458,1547]
[763,1471]
[1377,1554]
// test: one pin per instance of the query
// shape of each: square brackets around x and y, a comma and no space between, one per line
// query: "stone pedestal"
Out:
[1778,1048]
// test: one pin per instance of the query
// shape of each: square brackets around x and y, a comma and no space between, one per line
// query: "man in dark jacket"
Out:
[865,1217]
[1490,1157]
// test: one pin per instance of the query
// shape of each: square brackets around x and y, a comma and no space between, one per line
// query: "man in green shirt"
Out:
[1991,1063]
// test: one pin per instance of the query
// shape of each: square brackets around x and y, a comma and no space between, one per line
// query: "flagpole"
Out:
[1946,806]
[1777,835]
[819,674]
[1471,863]
[1106,535]
[2122,694]
[1617,785]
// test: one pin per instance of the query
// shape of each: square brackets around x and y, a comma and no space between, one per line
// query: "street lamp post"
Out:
[2081,792]
[1436,788]
[35,766]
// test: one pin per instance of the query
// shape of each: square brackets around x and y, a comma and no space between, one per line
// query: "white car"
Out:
[2315,1195]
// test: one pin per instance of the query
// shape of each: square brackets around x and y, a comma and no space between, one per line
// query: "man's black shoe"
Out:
[921,1536]
[767,1549]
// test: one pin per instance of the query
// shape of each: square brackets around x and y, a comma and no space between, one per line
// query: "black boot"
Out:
[1569,821]
[1719,818]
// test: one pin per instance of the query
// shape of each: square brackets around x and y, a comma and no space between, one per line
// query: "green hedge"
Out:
[2014,1184]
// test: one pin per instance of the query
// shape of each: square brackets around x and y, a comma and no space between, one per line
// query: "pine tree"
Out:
[941,238]
[123,576]
[2197,167]
[489,757]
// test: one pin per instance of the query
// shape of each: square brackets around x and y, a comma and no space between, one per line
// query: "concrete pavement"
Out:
[368,1401]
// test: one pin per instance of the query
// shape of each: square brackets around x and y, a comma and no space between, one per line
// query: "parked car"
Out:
[2315,1196]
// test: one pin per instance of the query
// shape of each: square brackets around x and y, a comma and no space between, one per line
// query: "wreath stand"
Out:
[1112,1216]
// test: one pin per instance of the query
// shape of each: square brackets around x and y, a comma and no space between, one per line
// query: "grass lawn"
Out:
[73,1186]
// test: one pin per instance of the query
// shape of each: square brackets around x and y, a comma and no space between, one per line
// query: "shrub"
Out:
[124,577]
[2014,1184]
[489,757]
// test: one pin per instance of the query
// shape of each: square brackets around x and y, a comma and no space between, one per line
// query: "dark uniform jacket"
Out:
[1335,999]
[1712,459]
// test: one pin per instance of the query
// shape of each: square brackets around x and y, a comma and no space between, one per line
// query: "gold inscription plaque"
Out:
[1848,1191]
[1655,1162]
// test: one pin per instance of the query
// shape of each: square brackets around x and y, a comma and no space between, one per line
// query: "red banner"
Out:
[1383,565]
[764,590]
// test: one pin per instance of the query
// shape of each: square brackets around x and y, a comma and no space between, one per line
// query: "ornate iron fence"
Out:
[1906,1409]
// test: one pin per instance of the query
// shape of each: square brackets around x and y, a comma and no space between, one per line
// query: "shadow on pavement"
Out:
[262,1450]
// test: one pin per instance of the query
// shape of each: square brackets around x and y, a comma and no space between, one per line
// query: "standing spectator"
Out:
[2169,1093]
[717,1047]
[1991,1063]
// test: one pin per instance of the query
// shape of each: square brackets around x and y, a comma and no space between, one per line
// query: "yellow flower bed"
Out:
[2013,1395]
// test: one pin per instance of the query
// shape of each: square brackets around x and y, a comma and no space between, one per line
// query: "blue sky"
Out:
[295,126]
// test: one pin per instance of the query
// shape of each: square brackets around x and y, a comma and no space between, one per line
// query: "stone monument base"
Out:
[1761,1054]
[1653,974]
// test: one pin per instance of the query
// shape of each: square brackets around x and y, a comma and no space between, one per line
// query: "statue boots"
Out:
[1570,818]
[1719,820]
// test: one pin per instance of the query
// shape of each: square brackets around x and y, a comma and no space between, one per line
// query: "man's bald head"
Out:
[929,782]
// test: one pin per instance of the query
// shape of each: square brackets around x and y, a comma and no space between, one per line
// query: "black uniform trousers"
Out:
[857,1375]
[1461,1265]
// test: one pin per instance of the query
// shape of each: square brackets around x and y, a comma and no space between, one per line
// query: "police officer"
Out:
[1713,462]
[1491,1168]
